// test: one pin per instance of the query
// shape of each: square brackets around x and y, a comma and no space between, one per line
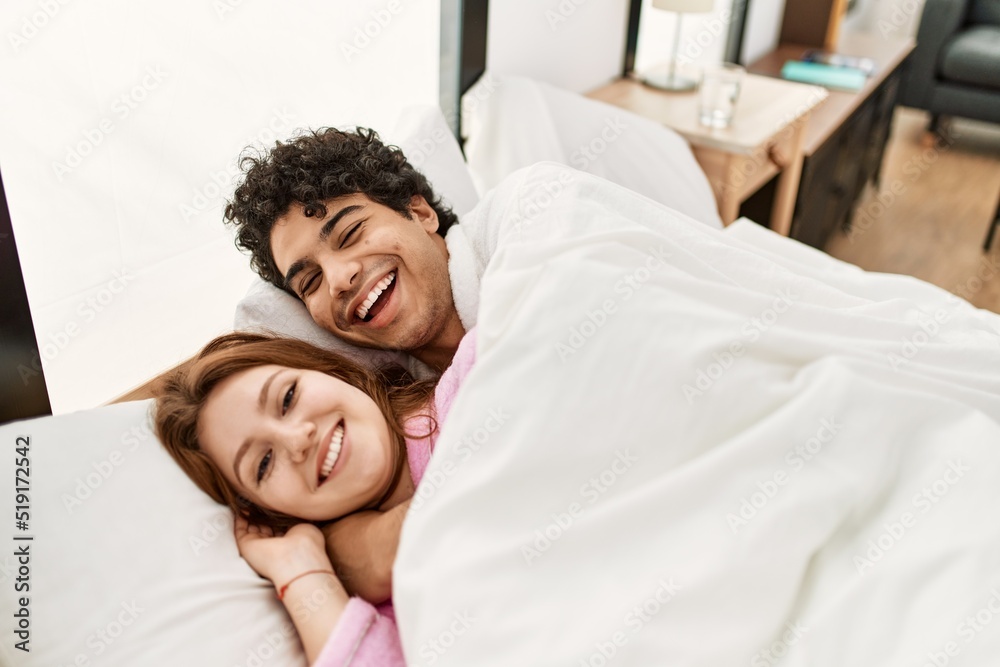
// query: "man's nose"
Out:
[341,276]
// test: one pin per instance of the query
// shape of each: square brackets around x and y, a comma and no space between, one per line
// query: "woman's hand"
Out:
[279,557]
[315,602]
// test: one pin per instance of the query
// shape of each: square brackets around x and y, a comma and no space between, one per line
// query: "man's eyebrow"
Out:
[246,443]
[324,234]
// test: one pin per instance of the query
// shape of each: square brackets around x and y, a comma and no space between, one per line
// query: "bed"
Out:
[562,542]
[789,455]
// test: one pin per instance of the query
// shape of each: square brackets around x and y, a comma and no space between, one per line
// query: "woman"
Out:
[292,437]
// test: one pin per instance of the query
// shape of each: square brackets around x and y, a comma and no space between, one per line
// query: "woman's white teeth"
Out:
[332,453]
[373,296]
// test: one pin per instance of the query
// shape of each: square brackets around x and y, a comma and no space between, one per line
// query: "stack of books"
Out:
[830,69]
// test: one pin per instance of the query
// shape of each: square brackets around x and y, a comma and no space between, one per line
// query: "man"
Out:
[349,227]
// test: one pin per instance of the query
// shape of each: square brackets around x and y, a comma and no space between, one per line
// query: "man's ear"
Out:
[424,213]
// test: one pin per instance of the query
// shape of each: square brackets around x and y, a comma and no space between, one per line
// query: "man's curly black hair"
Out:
[311,169]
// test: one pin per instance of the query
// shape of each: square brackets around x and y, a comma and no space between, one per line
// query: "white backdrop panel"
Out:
[121,124]
[571,44]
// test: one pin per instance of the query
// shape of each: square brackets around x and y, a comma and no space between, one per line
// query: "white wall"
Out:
[119,130]
[703,36]
[762,28]
[574,44]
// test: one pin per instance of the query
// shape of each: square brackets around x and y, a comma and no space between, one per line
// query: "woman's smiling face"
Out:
[274,432]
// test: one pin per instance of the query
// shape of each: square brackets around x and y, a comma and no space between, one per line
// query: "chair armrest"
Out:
[940,20]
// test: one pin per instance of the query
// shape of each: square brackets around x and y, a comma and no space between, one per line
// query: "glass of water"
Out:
[720,88]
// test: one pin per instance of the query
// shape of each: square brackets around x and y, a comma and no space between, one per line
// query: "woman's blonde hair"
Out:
[181,397]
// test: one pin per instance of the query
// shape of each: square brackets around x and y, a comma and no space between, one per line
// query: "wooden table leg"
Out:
[788,182]
[993,228]
[726,193]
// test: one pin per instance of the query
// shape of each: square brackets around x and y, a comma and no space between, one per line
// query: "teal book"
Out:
[845,78]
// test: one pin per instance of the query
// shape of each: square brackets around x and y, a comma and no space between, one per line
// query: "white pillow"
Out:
[131,564]
[423,134]
[429,145]
[513,122]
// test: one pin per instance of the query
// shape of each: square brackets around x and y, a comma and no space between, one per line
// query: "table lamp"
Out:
[680,7]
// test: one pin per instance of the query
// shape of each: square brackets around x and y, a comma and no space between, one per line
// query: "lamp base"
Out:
[669,81]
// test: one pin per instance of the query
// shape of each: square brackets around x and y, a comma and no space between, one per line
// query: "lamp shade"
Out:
[685,6]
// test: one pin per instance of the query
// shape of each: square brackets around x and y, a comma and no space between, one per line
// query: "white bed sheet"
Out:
[604,512]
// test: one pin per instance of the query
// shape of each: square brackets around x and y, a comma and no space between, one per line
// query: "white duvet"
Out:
[681,446]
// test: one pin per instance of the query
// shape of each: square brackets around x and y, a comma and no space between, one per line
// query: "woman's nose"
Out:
[300,438]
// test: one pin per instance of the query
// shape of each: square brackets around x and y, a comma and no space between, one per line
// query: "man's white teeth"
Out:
[373,296]
[333,453]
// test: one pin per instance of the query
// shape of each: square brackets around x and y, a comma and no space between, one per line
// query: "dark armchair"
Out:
[955,69]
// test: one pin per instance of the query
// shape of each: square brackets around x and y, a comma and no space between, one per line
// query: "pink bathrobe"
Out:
[366,636]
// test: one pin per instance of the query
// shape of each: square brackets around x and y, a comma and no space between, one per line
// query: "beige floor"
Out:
[932,211]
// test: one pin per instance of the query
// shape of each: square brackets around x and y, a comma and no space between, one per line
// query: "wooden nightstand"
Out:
[846,137]
[765,138]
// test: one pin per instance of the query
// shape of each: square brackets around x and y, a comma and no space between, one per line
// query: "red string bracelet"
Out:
[281,591]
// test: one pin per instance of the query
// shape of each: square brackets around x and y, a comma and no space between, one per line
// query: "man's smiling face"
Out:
[367,273]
